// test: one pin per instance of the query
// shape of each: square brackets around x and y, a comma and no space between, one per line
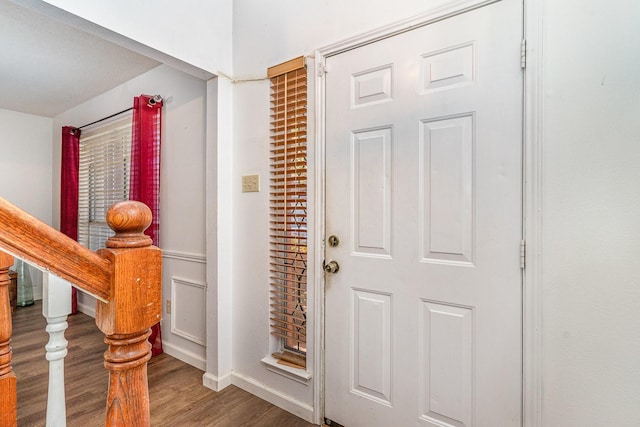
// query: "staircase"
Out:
[125,277]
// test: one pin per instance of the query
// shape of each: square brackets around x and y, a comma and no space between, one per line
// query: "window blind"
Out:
[288,205]
[105,155]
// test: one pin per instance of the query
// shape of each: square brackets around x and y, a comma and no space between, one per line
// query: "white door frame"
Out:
[532,191]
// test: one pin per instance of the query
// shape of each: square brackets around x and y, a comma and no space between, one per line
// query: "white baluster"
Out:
[56,305]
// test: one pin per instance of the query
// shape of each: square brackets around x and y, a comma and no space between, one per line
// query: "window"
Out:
[288,203]
[105,159]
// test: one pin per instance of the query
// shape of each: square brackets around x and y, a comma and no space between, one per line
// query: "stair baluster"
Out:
[56,306]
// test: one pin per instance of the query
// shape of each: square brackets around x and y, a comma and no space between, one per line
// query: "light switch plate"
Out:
[250,183]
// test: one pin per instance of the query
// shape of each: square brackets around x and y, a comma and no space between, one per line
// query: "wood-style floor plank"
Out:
[177,395]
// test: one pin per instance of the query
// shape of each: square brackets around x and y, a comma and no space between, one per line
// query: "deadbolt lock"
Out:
[333,241]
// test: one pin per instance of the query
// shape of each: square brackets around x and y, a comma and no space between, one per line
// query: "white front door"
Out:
[424,194]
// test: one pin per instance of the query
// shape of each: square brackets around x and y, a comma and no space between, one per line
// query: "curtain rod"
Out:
[104,118]
[152,101]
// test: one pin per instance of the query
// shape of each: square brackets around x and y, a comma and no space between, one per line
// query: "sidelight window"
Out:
[288,206]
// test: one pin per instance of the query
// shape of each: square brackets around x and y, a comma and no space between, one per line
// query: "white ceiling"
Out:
[47,67]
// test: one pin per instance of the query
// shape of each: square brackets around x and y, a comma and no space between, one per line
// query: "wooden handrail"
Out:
[126,275]
[26,237]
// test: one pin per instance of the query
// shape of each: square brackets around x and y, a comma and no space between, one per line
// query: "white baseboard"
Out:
[185,356]
[214,383]
[274,397]
[88,309]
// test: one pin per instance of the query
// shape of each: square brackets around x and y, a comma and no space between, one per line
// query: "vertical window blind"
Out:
[105,159]
[288,205]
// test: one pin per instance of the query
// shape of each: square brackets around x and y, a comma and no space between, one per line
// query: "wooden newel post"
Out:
[135,304]
[8,412]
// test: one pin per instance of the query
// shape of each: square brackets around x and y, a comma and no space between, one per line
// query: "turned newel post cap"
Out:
[129,219]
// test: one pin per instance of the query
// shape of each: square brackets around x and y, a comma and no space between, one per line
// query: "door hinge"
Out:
[322,69]
[523,54]
[523,253]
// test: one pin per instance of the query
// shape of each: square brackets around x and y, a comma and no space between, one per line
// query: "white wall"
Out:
[194,31]
[182,197]
[591,212]
[26,169]
[26,162]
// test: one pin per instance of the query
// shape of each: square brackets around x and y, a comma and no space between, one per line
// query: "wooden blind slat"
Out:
[291,311]
[291,193]
[300,138]
[300,332]
[292,321]
[298,86]
[296,173]
[282,297]
[299,186]
[298,178]
[284,281]
[294,164]
[280,153]
[279,158]
[300,225]
[288,306]
[284,251]
[289,358]
[293,243]
[293,286]
[290,290]
[277,269]
[278,307]
[290,338]
[297,234]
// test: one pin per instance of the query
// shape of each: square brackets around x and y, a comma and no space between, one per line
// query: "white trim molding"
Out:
[286,402]
[214,383]
[184,256]
[88,309]
[448,10]
[295,374]
[219,236]
[186,356]
[533,123]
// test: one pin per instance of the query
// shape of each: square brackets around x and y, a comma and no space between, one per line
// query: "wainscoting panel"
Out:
[184,306]
[188,309]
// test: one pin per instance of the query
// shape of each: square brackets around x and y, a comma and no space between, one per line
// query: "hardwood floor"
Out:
[175,388]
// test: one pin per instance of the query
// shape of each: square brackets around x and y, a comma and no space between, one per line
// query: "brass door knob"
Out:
[331,267]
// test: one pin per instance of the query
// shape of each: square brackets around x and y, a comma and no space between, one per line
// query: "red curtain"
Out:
[70,165]
[145,173]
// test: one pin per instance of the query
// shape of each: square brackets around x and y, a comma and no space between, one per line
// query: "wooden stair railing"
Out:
[125,277]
